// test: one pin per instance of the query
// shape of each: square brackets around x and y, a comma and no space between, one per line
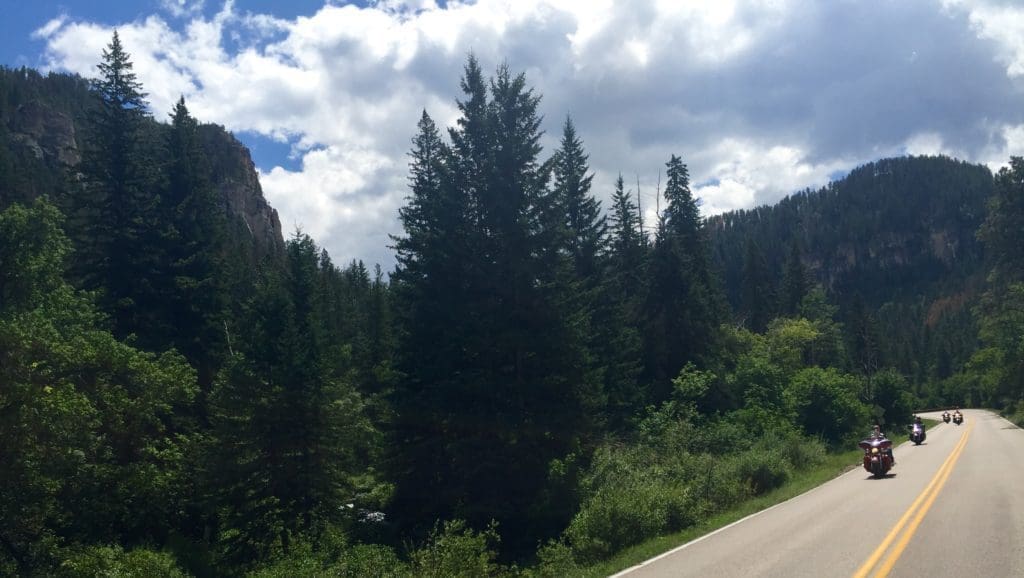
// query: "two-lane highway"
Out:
[952,505]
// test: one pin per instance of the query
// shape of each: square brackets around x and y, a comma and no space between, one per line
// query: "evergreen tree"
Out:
[499,397]
[620,298]
[585,227]
[795,281]
[117,233]
[682,307]
[289,428]
[627,245]
[196,245]
[1002,306]
[431,285]
[758,293]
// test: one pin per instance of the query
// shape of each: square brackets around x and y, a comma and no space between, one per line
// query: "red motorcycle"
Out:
[878,458]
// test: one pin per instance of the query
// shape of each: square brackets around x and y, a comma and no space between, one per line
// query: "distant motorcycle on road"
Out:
[945,416]
[958,418]
[917,434]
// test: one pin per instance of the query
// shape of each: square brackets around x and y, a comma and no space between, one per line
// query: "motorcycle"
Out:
[945,416]
[917,434]
[877,456]
[958,418]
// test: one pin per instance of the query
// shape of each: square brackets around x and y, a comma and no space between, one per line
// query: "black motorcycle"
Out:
[958,418]
[917,434]
[945,416]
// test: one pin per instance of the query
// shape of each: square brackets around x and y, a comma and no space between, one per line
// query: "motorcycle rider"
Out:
[876,433]
[917,424]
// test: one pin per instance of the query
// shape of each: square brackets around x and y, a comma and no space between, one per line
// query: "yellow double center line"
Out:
[917,511]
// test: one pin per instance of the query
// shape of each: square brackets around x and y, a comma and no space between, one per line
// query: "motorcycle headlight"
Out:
[874,450]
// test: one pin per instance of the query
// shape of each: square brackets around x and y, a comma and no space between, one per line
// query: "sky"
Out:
[760,98]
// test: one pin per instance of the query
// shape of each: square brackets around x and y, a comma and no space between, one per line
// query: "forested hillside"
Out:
[538,384]
[895,245]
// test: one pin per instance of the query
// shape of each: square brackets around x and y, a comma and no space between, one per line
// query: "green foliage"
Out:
[340,560]
[631,498]
[482,413]
[289,427]
[892,400]
[95,442]
[824,403]
[455,551]
[115,562]
[681,310]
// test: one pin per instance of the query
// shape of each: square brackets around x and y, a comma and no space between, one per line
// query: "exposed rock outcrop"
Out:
[48,133]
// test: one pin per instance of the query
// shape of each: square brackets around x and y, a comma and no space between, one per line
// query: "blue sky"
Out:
[761,98]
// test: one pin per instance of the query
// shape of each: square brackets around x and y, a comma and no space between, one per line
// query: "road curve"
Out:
[951,506]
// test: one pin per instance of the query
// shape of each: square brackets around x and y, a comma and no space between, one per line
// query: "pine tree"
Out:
[616,325]
[758,293]
[433,297]
[584,225]
[196,246]
[795,281]
[1002,306]
[289,428]
[682,306]
[117,233]
[484,411]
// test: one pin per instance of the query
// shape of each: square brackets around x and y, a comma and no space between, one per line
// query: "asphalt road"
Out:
[953,506]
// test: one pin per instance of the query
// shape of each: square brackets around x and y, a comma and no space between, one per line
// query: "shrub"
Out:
[763,470]
[115,562]
[555,560]
[370,561]
[455,551]
[641,505]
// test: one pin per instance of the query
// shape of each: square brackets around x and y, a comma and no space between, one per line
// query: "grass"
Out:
[802,481]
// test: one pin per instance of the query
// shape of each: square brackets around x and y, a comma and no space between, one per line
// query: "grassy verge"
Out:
[802,481]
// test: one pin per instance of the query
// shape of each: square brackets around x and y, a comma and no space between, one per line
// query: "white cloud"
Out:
[182,8]
[760,97]
[999,22]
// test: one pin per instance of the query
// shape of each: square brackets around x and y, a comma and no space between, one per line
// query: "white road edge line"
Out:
[737,522]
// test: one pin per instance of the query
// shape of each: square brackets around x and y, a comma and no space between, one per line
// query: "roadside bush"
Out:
[115,562]
[762,470]
[803,452]
[619,515]
[455,551]
[555,560]
[824,403]
[1015,413]
[371,561]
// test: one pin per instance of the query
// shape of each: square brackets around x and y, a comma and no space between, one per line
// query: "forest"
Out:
[538,384]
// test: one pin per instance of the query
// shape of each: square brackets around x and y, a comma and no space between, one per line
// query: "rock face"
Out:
[234,175]
[48,133]
[50,137]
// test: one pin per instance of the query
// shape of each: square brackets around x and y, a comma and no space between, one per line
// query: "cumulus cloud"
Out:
[182,8]
[760,97]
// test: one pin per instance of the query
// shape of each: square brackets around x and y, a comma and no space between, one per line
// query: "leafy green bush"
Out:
[763,469]
[642,504]
[114,562]
[358,561]
[555,560]
[1015,413]
[824,403]
[455,551]
[803,452]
